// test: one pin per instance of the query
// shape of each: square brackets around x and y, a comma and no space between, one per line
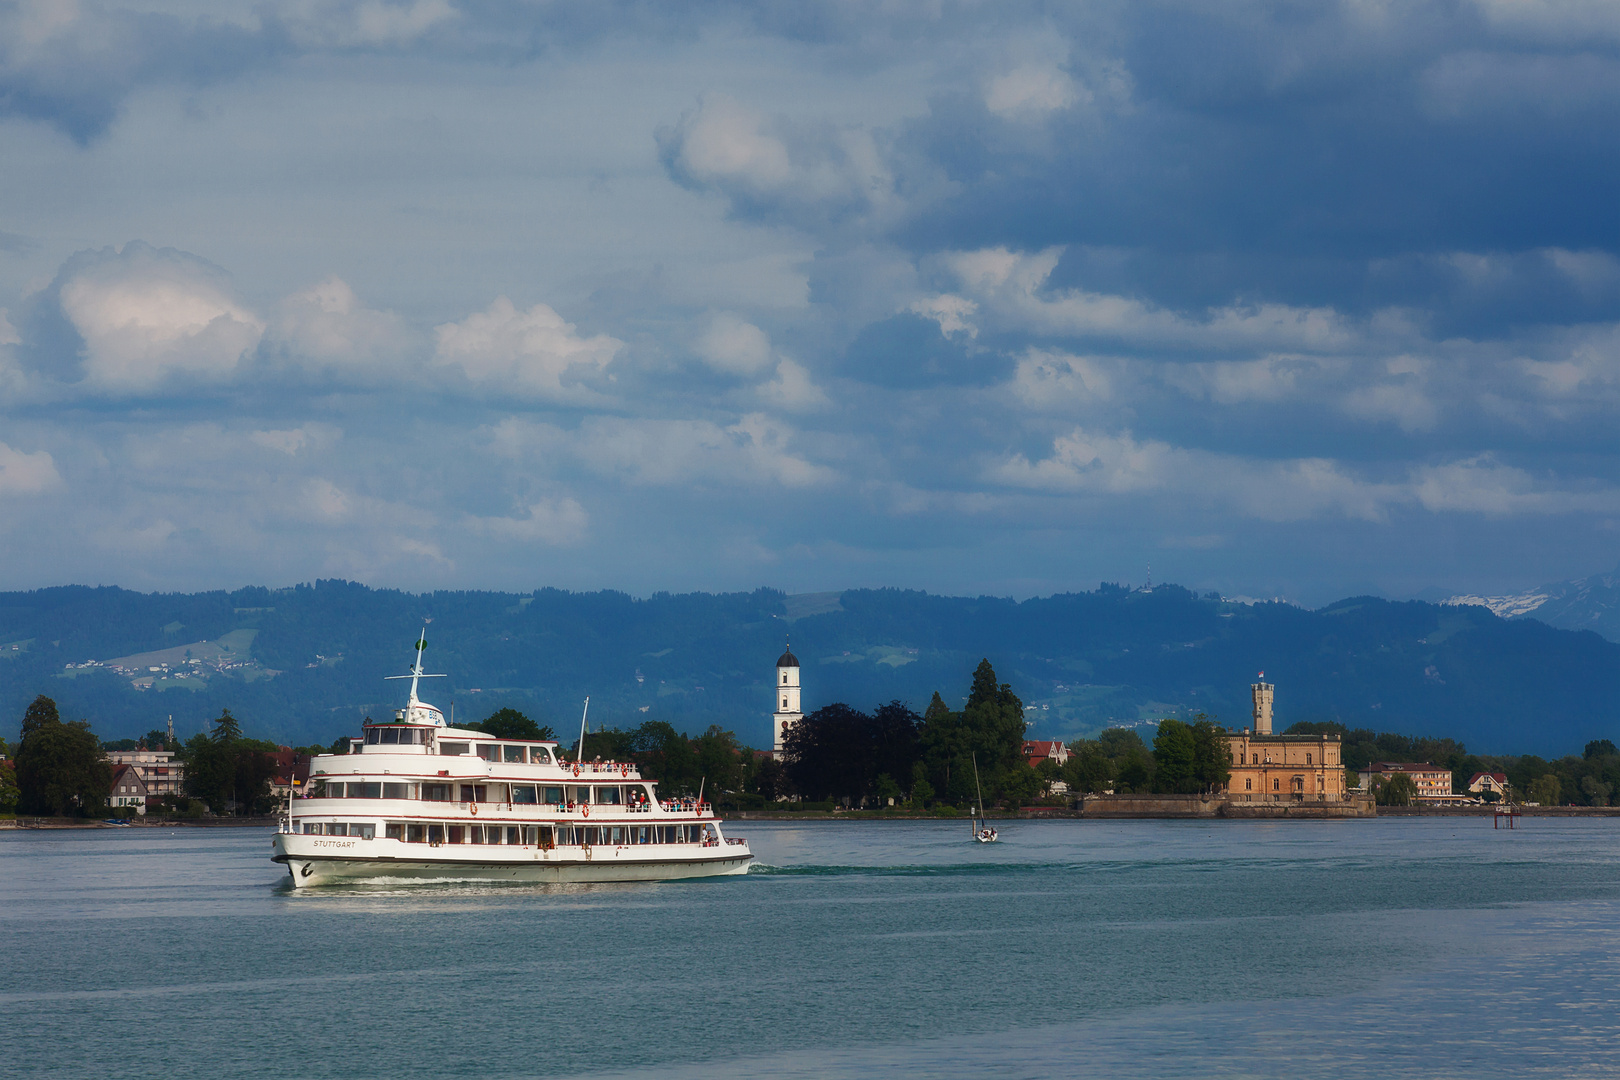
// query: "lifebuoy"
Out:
[624,770]
[586,810]
[576,770]
[474,809]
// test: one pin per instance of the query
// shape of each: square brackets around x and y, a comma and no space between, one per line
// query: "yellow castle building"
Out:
[1282,768]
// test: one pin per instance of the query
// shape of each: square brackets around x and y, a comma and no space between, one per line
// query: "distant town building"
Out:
[788,712]
[1282,768]
[1433,782]
[157,769]
[1482,782]
[1039,750]
[128,790]
[290,768]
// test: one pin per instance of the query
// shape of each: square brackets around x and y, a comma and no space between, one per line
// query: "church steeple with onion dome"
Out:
[787,696]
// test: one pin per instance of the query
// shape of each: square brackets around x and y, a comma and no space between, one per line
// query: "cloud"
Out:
[557,522]
[756,451]
[1484,485]
[734,346]
[533,353]
[304,439]
[1030,91]
[1012,287]
[792,389]
[326,327]
[810,174]
[148,316]
[1048,380]
[348,24]
[26,474]
[1099,463]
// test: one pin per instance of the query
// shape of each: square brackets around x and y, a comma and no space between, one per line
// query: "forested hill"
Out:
[305,664]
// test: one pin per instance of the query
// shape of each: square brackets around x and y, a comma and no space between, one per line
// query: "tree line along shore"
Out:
[888,761]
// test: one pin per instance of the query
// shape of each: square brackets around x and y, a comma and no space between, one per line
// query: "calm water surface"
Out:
[1122,949]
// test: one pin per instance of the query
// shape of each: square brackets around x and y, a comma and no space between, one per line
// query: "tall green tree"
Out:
[1211,756]
[60,769]
[1175,753]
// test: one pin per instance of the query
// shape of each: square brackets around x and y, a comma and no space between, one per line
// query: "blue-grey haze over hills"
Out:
[1286,300]
[306,664]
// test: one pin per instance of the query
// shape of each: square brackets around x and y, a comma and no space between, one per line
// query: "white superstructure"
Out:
[418,799]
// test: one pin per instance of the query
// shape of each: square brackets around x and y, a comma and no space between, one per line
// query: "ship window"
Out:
[554,796]
[396,791]
[525,794]
[453,749]
[332,789]
[514,835]
[436,792]
[472,793]
[415,834]
[390,736]
[513,753]
[489,753]
[365,791]
[337,828]
[539,755]
[372,735]
[435,834]
[455,834]
[581,794]
[609,795]
[368,831]
[393,830]
[311,829]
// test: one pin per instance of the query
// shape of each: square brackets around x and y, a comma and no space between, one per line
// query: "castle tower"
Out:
[787,696]
[1262,692]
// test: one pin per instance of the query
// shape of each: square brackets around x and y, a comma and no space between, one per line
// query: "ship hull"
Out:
[308,865]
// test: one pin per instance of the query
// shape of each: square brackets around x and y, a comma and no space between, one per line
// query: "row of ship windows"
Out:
[512,835]
[519,794]
[517,755]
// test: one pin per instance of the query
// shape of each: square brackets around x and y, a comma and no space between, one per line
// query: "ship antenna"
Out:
[580,755]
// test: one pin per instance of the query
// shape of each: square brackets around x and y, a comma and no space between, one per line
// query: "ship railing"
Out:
[685,806]
[737,840]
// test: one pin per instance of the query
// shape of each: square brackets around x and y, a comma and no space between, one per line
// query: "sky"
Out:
[1302,300]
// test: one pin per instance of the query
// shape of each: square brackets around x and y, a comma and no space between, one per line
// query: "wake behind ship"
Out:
[418,799]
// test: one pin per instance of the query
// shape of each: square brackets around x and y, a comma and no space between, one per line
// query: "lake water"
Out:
[1396,947]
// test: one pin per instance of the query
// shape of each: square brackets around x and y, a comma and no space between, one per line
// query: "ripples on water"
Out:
[1123,949]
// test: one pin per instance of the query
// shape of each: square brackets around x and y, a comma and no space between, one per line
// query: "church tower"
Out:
[787,696]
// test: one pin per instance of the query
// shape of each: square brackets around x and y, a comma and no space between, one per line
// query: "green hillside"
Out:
[305,664]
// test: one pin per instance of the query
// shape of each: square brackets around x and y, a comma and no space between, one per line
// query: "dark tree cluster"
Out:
[842,754]
[230,773]
[59,770]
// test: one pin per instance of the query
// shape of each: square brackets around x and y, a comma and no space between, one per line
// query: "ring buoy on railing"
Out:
[586,810]
[474,808]
[576,768]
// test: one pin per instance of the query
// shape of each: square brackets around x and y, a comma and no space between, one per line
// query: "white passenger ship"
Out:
[416,798]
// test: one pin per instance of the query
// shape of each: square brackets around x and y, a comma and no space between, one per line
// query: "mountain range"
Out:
[1591,603]
[306,664]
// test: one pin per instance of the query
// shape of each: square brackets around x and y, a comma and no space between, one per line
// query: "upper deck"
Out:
[538,759]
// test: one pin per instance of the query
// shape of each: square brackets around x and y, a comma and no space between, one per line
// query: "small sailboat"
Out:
[982,832]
